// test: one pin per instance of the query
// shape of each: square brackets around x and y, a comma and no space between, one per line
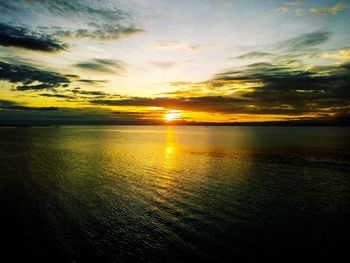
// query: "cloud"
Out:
[105,20]
[101,21]
[87,92]
[14,36]
[307,40]
[254,54]
[315,89]
[299,12]
[318,11]
[207,103]
[174,45]
[96,82]
[286,6]
[302,46]
[31,78]
[276,89]
[295,3]
[103,32]
[342,54]
[281,9]
[78,95]
[325,10]
[147,115]
[60,96]
[102,65]
[212,104]
[10,105]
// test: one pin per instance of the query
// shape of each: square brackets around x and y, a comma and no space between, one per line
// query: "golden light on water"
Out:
[168,151]
[172,115]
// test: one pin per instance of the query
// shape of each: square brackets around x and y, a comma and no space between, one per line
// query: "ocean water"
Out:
[173,194]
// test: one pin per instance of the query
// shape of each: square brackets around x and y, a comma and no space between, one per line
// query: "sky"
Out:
[160,61]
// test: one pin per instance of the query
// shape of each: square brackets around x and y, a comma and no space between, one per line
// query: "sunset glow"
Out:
[174,131]
[172,115]
[216,61]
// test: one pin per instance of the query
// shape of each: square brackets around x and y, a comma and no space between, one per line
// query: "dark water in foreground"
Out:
[129,193]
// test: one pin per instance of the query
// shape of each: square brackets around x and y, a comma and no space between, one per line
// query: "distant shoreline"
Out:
[315,123]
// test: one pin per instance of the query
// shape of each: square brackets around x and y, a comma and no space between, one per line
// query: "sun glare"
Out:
[172,115]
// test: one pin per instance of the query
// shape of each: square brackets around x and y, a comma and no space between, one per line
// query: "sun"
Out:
[172,115]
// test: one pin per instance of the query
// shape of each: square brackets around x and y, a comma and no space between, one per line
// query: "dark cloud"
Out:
[254,54]
[206,103]
[34,87]
[102,65]
[146,116]
[29,77]
[88,92]
[219,104]
[60,96]
[78,94]
[93,81]
[128,113]
[305,41]
[12,36]
[103,31]
[278,89]
[323,88]
[10,105]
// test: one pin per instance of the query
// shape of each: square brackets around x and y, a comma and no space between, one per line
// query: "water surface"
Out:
[163,194]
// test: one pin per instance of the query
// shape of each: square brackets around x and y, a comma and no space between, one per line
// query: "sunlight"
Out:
[172,115]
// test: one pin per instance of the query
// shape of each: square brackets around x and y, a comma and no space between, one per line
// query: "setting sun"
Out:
[160,130]
[172,115]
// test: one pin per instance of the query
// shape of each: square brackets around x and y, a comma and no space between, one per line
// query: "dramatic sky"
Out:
[158,60]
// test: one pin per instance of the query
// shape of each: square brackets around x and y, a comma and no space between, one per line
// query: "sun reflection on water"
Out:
[167,181]
[168,151]
[169,143]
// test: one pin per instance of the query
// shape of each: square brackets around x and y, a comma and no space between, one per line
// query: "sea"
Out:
[174,193]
